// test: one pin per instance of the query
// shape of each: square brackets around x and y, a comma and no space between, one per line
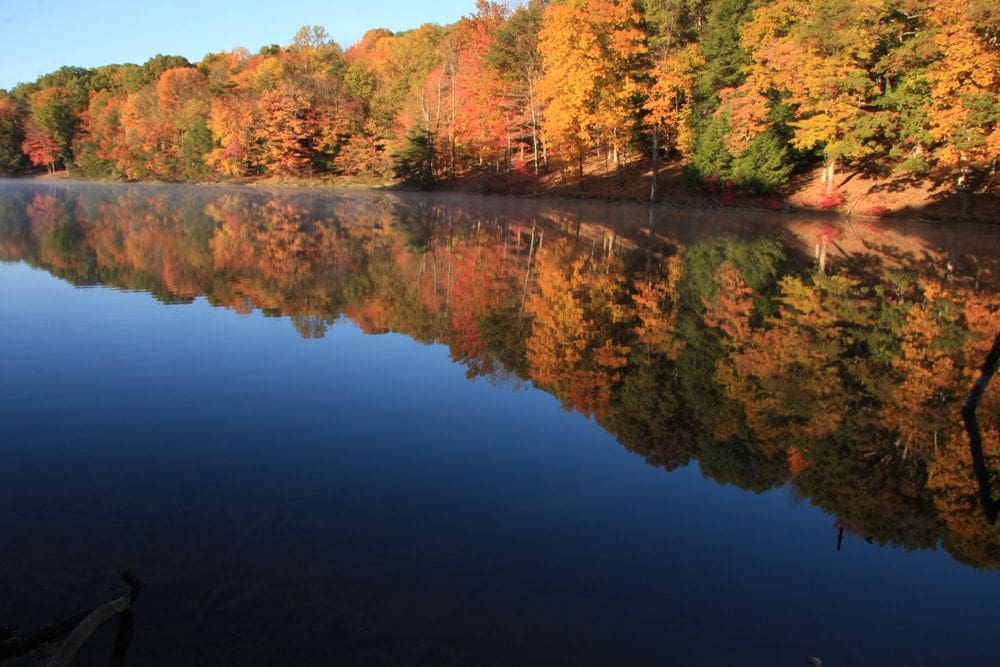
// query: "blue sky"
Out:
[41,36]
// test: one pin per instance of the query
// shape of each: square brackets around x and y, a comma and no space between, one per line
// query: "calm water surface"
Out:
[365,428]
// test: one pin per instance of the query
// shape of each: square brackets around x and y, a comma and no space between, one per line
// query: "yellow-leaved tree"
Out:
[593,55]
[669,102]
[820,55]
[964,105]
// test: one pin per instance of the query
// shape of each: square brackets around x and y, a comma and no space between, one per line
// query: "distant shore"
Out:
[863,198]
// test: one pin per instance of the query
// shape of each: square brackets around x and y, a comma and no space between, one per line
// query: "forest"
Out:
[734,348]
[737,95]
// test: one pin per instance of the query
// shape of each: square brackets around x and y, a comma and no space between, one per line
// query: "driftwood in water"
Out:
[21,644]
[76,639]
[990,505]
[80,627]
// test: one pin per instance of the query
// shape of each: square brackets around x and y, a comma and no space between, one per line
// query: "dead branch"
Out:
[989,369]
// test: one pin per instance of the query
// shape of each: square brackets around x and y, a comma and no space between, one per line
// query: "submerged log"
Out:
[79,626]
[76,639]
[18,644]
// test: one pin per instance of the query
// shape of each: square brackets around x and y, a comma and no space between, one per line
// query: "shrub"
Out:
[833,199]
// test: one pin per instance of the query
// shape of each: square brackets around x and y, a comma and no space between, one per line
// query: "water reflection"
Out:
[833,357]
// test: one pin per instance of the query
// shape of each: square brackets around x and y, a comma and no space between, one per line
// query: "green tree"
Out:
[671,23]
[11,136]
[53,112]
[709,156]
[765,165]
[725,57]
[514,55]
[415,162]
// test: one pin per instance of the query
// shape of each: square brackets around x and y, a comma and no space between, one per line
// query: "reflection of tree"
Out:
[723,444]
[953,484]
[786,375]
[646,412]
[312,326]
[579,314]
[484,292]
[928,379]
[15,229]
[719,351]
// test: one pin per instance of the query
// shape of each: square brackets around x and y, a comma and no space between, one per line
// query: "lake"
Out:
[361,427]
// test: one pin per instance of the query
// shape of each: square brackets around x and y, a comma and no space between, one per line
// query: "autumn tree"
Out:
[364,154]
[40,147]
[183,100]
[515,57]
[964,105]
[482,123]
[287,130]
[101,150]
[233,122]
[593,53]
[670,100]
[821,55]
[49,134]
[400,64]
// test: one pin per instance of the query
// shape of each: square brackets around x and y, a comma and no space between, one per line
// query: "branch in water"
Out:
[990,506]
[80,627]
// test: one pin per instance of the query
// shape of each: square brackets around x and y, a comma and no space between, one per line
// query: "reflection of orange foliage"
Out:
[786,376]
[804,385]
[950,475]
[572,349]
[730,311]
[796,462]
[271,239]
[982,317]
[160,246]
[953,486]
[930,381]
[483,282]
[43,212]
[656,310]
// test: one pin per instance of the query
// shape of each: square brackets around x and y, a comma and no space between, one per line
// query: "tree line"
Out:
[743,92]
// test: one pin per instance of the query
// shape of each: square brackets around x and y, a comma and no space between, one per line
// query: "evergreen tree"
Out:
[709,157]
[765,165]
[415,162]
[724,56]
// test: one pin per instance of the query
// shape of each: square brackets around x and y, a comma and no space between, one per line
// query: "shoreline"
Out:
[791,203]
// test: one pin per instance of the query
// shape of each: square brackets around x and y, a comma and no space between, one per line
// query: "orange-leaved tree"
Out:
[964,104]
[594,55]
[820,56]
